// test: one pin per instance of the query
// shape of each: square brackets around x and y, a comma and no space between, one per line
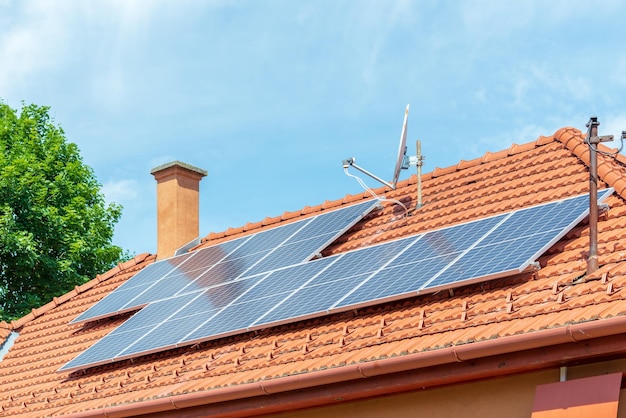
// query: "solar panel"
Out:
[517,241]
[235,294]
[323,290]
[269,249]
[484,249]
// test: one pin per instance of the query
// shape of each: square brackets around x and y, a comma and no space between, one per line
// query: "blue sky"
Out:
[270,96]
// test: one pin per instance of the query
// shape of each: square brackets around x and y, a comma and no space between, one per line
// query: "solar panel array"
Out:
[248,298]
[267,250]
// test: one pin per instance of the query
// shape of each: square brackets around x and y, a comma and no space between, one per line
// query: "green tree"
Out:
[55,227]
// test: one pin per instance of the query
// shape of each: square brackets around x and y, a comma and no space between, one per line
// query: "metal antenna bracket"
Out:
[350,163]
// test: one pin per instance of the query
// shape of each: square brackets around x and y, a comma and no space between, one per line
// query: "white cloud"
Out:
[44,40]
[618,74]
[485,19]
[575,86]
[496,19]
[36,40]
[121,191]
[613,124]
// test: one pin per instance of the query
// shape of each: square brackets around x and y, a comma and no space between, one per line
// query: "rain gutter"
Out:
[455,354]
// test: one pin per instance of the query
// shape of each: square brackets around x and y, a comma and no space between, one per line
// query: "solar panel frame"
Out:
[352,301]
[151,283]
[145,279]
[579,202]
[328,225]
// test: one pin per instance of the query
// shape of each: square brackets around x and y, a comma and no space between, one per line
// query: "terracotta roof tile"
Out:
[549,168]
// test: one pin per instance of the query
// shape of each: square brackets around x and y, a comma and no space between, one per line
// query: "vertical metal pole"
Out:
[418,144]
[592,140]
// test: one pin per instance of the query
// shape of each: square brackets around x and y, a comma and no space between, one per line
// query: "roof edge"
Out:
[460,353]
[37,312]
[574,140]
[5,331]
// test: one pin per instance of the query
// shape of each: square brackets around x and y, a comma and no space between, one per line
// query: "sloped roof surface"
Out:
[547,169]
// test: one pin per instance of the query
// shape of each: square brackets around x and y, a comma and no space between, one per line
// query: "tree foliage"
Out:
[55,227]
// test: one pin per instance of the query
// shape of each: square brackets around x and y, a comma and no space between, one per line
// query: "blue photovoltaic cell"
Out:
[300,250]
[228,261]
[108,348]
[288,279]
[161,337]
[504,257]
[235,318]
[182,278]
[491,247]
[520,239]
[420,261]
[447,242]
[329,285]
[251,286]
[206,306]
[146,282]
[115,301]
[395,281]
[311,300]
[267,240]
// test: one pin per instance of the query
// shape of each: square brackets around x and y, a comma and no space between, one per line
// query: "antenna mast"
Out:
[592,141]
[419,163]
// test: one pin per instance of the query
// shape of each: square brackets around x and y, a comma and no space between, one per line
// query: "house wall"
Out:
[503,397]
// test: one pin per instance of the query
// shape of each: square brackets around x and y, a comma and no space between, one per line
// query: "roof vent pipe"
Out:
[592,141]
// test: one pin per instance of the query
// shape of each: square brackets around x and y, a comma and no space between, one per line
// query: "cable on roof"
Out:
[609,154]
[370,191]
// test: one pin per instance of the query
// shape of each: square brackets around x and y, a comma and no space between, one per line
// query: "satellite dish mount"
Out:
[403,161]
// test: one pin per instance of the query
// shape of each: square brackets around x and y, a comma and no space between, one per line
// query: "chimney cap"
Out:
[180,164]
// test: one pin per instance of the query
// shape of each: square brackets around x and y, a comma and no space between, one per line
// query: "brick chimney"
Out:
[178,203]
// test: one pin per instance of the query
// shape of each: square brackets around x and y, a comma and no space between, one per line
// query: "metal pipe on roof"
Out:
[592,260]
[420,162]
[592,141]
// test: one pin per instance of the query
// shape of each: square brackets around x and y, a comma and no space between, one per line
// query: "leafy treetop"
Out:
[55,228]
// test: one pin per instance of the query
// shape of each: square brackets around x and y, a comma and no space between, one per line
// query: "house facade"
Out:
[549,341]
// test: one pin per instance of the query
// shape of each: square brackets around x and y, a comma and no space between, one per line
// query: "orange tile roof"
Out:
[553,305]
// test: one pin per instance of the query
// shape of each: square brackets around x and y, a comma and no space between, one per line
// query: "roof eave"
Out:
[572,333]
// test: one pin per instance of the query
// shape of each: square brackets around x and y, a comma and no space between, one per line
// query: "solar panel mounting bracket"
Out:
[534,266]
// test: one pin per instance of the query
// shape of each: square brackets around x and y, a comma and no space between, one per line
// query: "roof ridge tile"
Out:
[544,140]
[252,225]
[287,215]
[234,231]
[351,198]
[464,164]
[573,139]
[331,204]
[438,171]
[311,209]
